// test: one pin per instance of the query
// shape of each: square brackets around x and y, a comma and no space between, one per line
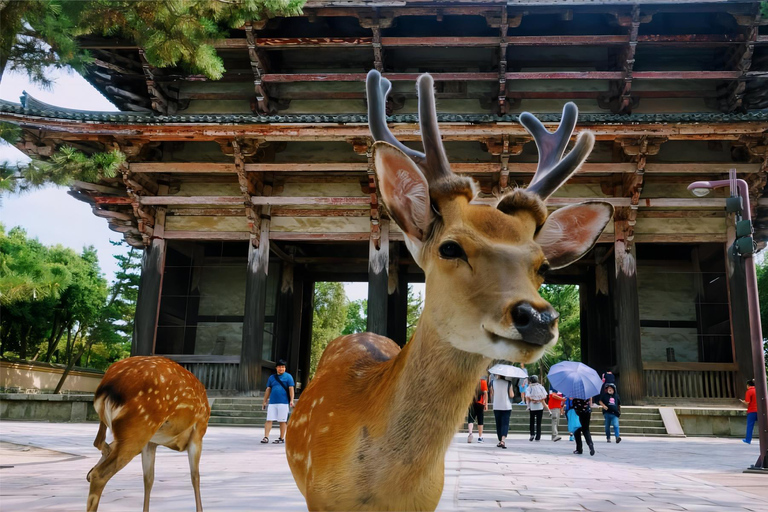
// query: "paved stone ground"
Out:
[238,474]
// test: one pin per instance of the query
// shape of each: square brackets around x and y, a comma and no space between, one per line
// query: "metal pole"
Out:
[756,333]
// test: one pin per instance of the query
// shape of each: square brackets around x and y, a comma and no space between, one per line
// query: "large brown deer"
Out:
[371,430]
[147,401]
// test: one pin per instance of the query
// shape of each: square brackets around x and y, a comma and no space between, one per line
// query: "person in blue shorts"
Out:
[279,394]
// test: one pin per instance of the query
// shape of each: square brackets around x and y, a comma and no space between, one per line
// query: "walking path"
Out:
[238,473]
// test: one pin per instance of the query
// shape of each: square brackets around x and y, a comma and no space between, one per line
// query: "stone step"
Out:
[239,400]
[227,420]
[239,414]
[236,407]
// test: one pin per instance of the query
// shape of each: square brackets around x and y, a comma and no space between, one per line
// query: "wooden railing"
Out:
[689,380]
[215,372]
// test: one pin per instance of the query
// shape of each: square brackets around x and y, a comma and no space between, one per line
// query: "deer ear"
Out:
[404,190]
[570,232]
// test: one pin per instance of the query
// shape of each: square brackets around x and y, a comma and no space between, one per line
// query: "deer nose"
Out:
[536,327]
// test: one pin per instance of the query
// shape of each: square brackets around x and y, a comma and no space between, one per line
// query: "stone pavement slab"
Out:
[240,474]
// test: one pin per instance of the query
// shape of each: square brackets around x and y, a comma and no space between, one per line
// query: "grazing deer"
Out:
[372,428]
[147,401]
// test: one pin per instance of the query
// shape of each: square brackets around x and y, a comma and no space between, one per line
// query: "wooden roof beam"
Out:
[525,75]
[711,203]
[514,147]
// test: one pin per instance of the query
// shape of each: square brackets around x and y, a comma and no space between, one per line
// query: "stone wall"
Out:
[43,377]
[50,408]
[713,422]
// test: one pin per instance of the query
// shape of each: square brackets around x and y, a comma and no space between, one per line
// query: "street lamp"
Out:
[743,246]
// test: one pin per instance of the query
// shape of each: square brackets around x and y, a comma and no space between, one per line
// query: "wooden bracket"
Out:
[160,103]
[733,94]
[375,206]
[503,29]
[259,67]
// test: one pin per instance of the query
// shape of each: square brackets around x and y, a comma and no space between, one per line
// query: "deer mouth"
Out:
[507,337]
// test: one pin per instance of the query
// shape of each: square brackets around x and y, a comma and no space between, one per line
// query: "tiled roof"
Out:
[33,107]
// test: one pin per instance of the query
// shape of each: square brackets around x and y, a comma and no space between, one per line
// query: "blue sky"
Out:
[49,214]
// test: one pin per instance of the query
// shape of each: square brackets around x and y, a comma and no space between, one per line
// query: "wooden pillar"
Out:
[397,307]
[629,356]
[294,316]
[150,287]
[378,281]
[249,375]
[587,318]
[305,345]
[739,310]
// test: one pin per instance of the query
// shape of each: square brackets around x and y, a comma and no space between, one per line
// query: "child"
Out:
[611,403]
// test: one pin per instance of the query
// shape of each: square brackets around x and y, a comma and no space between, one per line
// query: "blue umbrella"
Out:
[575,380]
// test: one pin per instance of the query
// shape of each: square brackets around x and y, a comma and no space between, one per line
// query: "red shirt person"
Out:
[750,398]
[555,404]
[475,413]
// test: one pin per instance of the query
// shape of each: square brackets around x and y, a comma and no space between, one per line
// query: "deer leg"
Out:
[101,435]
[103,471]
[194,450]
[148,465]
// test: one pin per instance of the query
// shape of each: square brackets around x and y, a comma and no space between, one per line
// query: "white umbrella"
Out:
[507,370]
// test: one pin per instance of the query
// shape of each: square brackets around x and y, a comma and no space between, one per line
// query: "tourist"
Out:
[571,417]
[751,400]
[522,386]
[555,405]
[609,378]
[476,408]
[502,391]
[279,393]
[535,399]
[611,405]
[583,408]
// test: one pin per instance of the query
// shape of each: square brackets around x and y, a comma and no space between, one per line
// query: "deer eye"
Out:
[543,269]
[451,251]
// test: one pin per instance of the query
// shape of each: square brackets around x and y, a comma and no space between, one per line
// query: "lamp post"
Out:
[743,246]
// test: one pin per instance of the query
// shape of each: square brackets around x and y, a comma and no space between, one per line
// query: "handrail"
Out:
[202,358]
[680,366]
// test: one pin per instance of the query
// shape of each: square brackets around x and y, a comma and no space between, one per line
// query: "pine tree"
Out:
[41,33]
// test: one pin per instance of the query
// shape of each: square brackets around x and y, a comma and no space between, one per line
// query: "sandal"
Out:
[279,440]
[503,445]
[498,445]
[265,440]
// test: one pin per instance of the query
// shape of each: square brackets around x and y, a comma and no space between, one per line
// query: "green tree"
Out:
[41,33]
[357,317]
[415,307]
[565,300]
[328,319]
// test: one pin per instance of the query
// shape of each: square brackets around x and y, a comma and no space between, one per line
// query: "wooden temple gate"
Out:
[245,192]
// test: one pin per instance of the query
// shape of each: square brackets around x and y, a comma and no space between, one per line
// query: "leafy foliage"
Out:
[328,319]
[65,165]
[56,305]
[41,33]
[565,300]
[357,317]
[415,306]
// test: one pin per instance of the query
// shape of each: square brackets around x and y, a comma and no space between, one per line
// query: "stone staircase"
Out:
[634,421]
[238,412]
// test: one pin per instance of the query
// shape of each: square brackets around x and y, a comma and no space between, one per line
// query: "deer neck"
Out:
[435,383]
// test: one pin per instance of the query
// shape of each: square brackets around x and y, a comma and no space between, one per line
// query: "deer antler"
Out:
[435,162]
[554,170]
